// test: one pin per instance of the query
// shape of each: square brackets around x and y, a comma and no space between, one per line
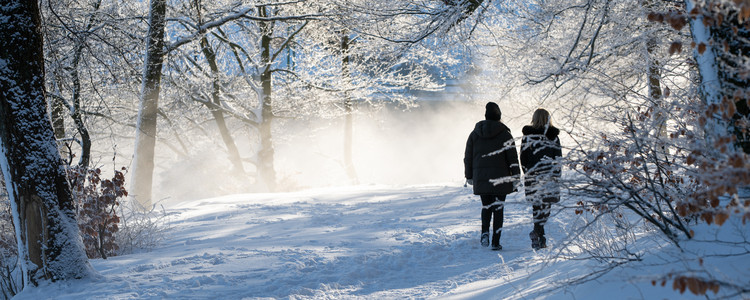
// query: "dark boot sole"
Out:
[535,242]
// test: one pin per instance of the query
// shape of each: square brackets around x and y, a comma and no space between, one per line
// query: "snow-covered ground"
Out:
[376,242]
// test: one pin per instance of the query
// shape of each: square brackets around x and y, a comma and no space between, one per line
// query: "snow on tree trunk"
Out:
[720,32]
[704,57]
[145,143]
[215,107]
[58,110]
[76,110]
[49,246]
[266,171]
[729,26]
[654,73]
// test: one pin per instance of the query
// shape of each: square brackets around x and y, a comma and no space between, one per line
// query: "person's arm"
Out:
[557,169]
[511,158]
[469,158]
[525,154]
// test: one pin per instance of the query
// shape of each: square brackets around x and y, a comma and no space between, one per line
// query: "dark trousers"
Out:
[541,213]
[492,207]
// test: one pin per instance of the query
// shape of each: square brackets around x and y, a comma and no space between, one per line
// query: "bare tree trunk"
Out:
[731,60]
[215,105]
[266,172]
[49,246]
[721,38]
[145,143]
[215,108]
[706,60]
[654,86]
[351,172]
[58,110]
[76,112]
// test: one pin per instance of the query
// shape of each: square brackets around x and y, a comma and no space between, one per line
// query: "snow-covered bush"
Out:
[640,170]
[606,235]
[140,230]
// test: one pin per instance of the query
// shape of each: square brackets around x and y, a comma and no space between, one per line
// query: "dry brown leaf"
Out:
[675,47]
[678,285]
[695,286]
[714,287]
[708,217]
[721,218]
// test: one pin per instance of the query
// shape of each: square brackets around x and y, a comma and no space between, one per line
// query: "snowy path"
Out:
[358,242]
[416,242]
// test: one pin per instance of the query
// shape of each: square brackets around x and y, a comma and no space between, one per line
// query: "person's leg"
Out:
[539,218]
[543,217]
[498,208]
[541,212]
[487,200]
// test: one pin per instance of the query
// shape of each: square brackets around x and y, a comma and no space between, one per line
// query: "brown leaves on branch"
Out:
[676,20]
[744,14]
[97,200]
[673,18]
[720,175]
[695,285]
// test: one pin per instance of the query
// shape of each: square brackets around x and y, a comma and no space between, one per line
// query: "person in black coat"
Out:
[540,158]
[491,166]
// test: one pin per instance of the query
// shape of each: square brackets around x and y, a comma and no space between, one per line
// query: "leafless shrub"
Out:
[140,230]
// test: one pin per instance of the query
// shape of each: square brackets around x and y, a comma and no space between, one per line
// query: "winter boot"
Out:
[542,242]
[485,239]
[536,241]
[497,247]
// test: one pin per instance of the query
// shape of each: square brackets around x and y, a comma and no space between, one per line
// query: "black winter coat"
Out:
[491,159]
[540,154]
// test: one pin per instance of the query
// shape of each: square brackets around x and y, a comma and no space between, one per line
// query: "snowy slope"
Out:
[362,242]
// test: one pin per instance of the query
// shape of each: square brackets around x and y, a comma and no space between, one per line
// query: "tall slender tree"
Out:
[143,160]
[214,105]
[266,170]
[721,33]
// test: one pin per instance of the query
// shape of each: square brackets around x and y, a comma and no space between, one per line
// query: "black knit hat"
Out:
[492,111]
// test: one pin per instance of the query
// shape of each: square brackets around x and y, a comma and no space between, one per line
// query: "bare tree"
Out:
[49,246]
[143,159]
[215,104]
[87,51]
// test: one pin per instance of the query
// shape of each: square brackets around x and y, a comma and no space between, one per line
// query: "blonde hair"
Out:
[540,119]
